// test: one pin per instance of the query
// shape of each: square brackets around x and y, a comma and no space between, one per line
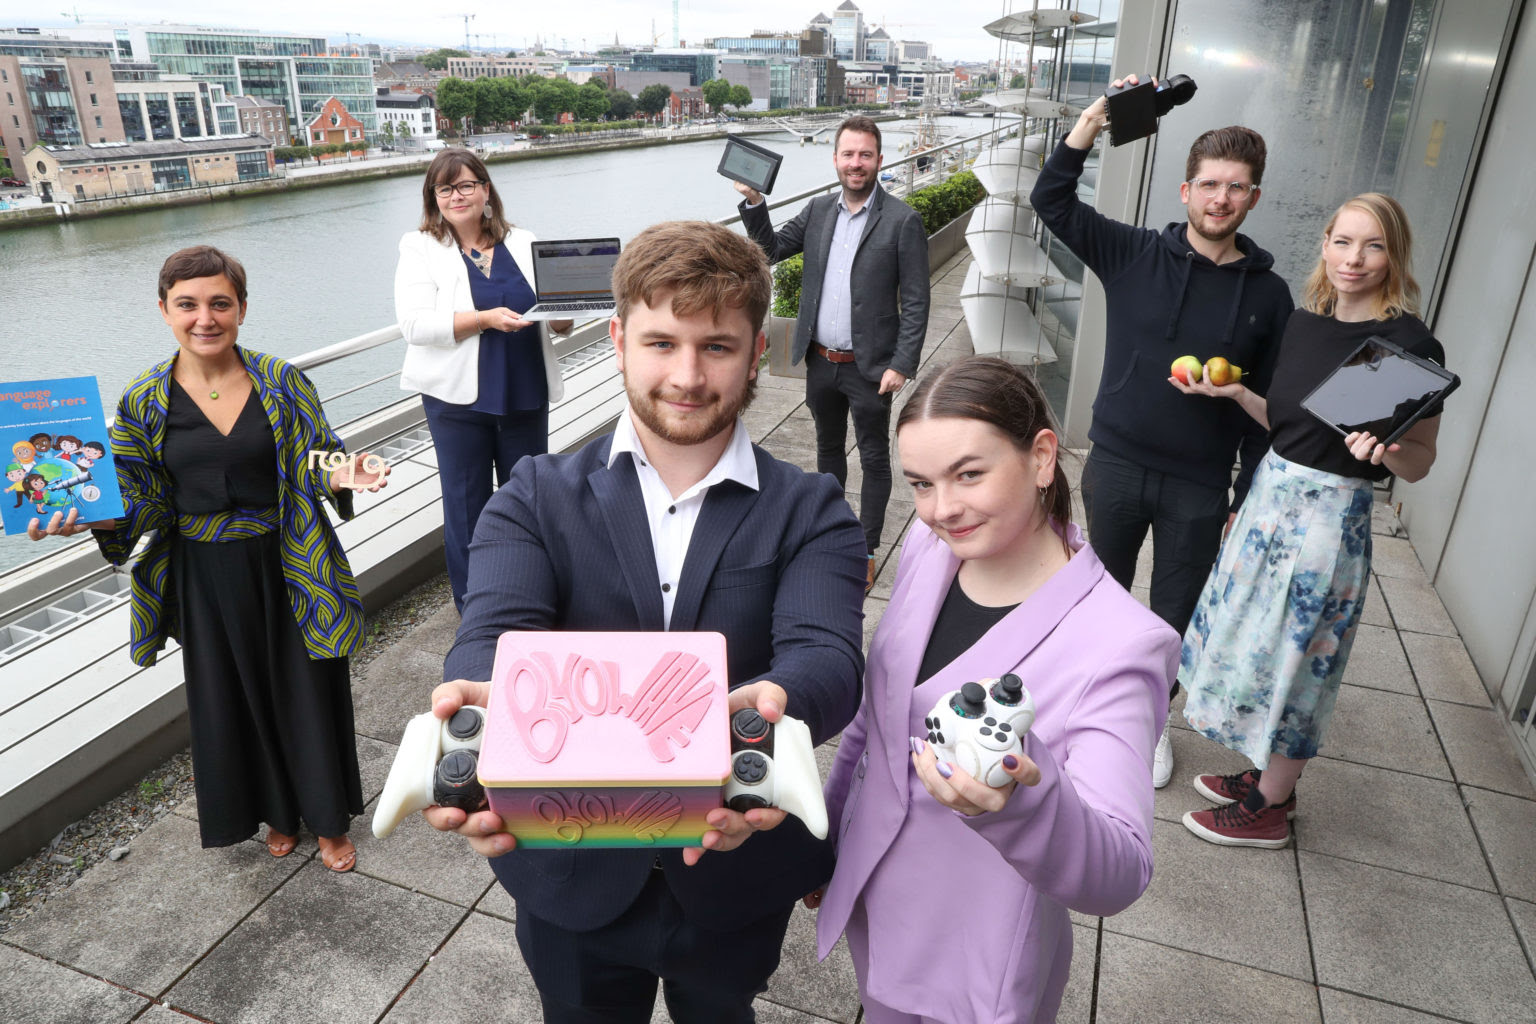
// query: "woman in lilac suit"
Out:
[954,895]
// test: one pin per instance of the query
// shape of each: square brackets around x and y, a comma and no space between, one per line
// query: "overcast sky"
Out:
[953,27]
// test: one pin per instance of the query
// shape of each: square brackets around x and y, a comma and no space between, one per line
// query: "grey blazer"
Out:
[889,280]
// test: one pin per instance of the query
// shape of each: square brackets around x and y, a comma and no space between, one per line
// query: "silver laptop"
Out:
[573,278]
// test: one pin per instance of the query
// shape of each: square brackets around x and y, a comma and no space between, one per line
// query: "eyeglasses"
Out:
[1236,191]
[463,188]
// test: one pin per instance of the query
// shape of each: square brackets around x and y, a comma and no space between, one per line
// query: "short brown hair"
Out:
[1236,143]
[201,261]
[704,265]
[446,166]
[857,123]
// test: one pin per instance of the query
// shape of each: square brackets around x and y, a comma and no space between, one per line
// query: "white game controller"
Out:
[437,763]
[979,724]
[773,766]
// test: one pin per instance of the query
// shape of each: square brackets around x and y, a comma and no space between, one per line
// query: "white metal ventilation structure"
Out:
[1009,267]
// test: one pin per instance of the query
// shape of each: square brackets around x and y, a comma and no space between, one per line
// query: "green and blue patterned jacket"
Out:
[321,589]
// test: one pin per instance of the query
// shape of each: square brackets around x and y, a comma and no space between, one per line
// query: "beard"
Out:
[869,183]
[1233,222]
[717,414]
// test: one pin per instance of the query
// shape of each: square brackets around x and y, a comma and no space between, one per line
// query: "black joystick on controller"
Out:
[970,701]
[1009,690]
[456,782]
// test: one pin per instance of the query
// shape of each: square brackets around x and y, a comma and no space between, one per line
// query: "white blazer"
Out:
[432,284]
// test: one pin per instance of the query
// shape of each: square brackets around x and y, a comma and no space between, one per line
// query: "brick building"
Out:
[263,117]
[333,124]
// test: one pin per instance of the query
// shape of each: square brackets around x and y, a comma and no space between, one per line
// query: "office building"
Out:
[102,170]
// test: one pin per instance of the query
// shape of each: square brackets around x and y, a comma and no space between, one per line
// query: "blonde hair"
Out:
[1399,292]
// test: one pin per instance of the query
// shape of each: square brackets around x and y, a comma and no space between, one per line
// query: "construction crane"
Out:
[467,19]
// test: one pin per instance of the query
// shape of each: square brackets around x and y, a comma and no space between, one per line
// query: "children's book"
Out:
[53,444]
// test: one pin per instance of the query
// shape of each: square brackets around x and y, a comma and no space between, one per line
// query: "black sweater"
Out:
[1164,300]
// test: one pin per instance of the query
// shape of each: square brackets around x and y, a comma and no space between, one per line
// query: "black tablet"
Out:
[750,164]
[1380,389]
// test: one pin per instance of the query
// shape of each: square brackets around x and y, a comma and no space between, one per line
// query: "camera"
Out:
[1133,110]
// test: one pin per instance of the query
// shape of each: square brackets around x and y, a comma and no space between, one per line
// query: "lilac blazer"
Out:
[965,919]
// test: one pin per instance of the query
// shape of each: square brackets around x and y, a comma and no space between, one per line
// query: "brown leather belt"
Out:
[832,355]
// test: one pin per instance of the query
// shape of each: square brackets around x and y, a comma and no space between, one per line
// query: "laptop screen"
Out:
[568,270]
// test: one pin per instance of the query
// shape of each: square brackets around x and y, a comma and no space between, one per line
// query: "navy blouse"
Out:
[511,364]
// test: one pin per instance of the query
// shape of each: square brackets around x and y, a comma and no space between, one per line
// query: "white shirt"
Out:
[672,519]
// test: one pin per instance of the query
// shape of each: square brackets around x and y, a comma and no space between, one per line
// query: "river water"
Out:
[79,298]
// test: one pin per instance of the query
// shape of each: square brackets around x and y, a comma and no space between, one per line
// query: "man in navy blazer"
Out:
[675,521]
[863,311]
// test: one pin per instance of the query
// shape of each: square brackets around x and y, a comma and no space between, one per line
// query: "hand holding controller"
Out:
[773,766]
[437,763]
[979,724]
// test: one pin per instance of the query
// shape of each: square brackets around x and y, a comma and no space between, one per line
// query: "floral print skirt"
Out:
[1266,648]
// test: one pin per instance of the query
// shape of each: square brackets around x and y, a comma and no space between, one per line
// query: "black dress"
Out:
[272,731]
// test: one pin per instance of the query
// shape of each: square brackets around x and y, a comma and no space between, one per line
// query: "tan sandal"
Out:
[280,845]
[338,854]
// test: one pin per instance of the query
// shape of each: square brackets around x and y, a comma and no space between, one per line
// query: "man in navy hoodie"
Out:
[1160,460]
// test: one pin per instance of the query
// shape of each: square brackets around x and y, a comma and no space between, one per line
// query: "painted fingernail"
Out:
[945,770]
[1010,762]
[917,745]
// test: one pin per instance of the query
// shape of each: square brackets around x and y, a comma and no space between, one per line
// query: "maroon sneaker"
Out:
[1230,789]
[1247,823]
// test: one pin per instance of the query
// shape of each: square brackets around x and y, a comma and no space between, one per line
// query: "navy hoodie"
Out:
[1165,300]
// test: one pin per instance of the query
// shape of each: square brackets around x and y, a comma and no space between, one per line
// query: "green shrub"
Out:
[786,286]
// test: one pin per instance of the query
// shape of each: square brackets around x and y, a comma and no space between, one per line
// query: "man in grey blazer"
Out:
[863,311]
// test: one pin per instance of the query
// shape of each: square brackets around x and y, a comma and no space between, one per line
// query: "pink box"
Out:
[606,740]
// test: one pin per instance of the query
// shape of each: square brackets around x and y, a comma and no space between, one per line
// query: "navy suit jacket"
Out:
[889,279]
[779,571]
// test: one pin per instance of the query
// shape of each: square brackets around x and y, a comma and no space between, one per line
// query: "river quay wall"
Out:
[343,173]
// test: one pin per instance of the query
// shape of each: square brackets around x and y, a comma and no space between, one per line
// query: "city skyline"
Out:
[956,37]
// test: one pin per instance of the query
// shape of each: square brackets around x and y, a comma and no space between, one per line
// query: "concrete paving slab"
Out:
[1145,983]
[796,430]
[1507,827]
[497,901]
[159,1014]
[1347,1008]
[374,758]
[1378,661]
[337,948]
[827,988]
[435,635]
[1416,824]
[416,856]
[1198,898]
[392,689]
[142,921]
[1479,749]
[1395,556]
[1416,607]
[1375,612]
[874,608]
[485,949]
[1444,670]
[1077,999]
[32,989]
[767,1013]
[1524,916]
[1388,730]
[1440,948]
[1193,755]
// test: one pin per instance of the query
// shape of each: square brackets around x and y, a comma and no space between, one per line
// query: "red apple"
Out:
[1186,369]
[1218,371]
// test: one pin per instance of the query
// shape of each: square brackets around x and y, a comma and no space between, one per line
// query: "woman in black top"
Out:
[1266,649]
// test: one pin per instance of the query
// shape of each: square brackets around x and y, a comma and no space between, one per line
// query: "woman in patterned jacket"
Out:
[242,567]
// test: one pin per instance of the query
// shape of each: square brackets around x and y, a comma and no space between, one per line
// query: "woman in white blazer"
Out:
[487,377]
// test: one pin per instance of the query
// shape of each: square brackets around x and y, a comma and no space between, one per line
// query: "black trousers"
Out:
[832,391]
[1123,500]
[609,975]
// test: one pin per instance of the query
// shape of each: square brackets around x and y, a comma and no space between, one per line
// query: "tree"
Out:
[493,103]
[653,98]
[514,99]
[741,97]
[556,96]
[387,133]
[455,99]
[621,105]
[591,101]
[717,93]
[1018,82]
[437,60]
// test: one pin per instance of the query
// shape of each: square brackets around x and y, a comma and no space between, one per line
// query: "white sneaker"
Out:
[1162,761]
